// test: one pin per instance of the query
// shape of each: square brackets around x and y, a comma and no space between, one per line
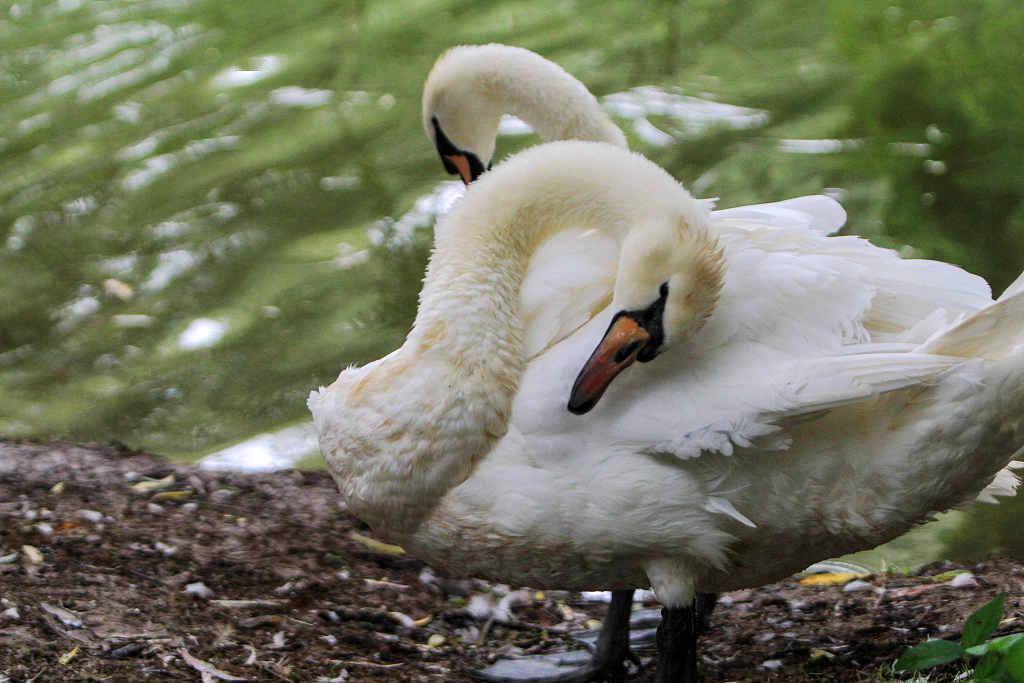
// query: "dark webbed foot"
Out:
[623,632]
[607,662]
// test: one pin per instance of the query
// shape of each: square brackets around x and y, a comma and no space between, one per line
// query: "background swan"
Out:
[471,87]
[836,396]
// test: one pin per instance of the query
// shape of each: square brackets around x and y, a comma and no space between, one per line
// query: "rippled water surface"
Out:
[208,208]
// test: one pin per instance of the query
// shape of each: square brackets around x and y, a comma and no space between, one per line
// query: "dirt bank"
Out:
[117,565]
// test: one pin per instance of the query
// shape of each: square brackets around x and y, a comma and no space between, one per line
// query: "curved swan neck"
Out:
[474,85]
[403,431]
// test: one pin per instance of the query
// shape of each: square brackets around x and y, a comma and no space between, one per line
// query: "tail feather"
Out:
[992,333]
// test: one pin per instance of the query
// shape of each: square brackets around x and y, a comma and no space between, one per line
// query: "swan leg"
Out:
[607,663]
[677,639]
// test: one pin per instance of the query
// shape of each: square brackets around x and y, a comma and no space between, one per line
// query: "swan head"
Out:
[470,87]
[667,286]
[460,113]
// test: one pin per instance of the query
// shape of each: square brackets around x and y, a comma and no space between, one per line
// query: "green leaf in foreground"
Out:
[988,667]
[1013,660]
[929,654]
[1000,644]
[983,622]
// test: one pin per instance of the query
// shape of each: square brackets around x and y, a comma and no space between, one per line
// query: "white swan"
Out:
[470,87]
[467,91]
[810,395]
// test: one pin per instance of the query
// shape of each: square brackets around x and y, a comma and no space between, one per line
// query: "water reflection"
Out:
[267,452]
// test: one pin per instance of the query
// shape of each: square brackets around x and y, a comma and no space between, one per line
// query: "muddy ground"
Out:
[116,565]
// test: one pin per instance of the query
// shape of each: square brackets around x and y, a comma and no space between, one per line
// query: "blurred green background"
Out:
[207,208]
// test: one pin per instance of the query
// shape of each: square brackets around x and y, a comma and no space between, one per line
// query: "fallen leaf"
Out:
[57,488]
[913,590]
[819,655]
[66,658]
[435,640]
[148,485]
[375,545]
[830,579]
[172,495]
[242,604]
[66,616]
[382,583]
[32,554]
[207,669]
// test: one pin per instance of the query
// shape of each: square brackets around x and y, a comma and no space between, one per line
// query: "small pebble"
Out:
[479,607]
[44,528]
[403,619]
[165,549]
[190,507]
[772,664]
[857,586]
[154,508]
[11,613]
[965,580]
[222,495]
[91,516]
[329,639]
[435,640]
[199,589]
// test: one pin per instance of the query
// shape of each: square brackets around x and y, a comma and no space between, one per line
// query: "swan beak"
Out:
[618,349]
[461,163]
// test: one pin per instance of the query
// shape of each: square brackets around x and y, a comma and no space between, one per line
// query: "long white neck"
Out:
[400,433]
[473,85]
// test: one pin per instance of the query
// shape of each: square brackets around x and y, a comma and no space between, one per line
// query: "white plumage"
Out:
[836,396]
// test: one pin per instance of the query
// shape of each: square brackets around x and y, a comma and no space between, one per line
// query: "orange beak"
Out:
[462,164]
[617,350]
